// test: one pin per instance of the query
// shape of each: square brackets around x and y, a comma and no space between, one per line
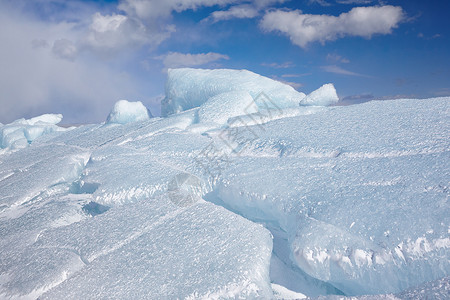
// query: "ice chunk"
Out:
[125,112]
[46,119]
[218,109]
[323,96]
[22,132]
[188,88]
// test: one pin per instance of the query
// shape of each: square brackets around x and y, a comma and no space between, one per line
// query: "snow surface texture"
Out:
[174,207]
[125,112]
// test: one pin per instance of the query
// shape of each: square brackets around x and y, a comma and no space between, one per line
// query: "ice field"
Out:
[245,189]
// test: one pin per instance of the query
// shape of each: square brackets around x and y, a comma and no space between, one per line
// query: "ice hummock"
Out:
[125,112]
[188,88]
[22,132]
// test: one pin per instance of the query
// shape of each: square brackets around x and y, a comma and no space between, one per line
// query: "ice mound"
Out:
[125,112]
[22,132]
[218,109]
[187,88]
[323,96]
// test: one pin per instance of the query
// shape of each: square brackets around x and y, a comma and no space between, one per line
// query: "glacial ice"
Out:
[125,112]
[189,88]
[173,207]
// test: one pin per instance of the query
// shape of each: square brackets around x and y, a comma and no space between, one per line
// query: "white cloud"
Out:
[65,49]
[333,57]
[243,11]
[284,65]
[177,60]
[338,70]
[152,9]
[303,29]
[357,2]
[235,12]
[34,80]
[320,2]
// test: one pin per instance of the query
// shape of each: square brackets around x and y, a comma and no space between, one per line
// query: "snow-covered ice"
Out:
[126,112]
[242,194]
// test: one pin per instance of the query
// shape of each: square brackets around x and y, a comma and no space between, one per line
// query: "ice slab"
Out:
[365,207]
[153,247]
[125,112]
[189,88]
[323,96]
[39,170]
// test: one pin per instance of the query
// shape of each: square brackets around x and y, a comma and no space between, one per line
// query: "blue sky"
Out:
[79,57]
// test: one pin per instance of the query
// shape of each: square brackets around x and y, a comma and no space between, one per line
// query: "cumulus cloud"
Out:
[177,60]
[338,70]
[35,80]
[116,32]
[303,29]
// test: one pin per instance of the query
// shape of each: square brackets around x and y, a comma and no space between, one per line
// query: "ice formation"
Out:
[230,199]
[22,132]
[189,88]
[125,112]
[323,96]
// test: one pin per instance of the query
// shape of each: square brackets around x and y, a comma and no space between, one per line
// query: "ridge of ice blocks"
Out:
[188,88]
[323,96]
[125,112]
[22,132]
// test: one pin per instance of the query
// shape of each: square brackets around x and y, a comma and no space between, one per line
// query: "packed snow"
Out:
[247,189]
